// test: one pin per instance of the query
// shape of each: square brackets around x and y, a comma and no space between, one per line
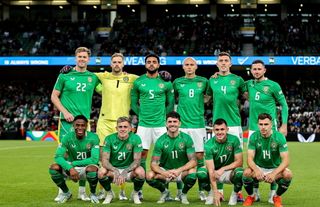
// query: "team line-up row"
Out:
[173,160]
[151,97]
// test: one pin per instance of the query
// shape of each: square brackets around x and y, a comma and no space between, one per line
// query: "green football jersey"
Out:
[191,100]
[122,151]
[173,152]
[263,96]
[222,154]
[267,150]
[80,152]
[225,91]
[151,100]
[76,90]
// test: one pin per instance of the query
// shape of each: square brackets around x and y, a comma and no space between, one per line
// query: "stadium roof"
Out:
[125,2]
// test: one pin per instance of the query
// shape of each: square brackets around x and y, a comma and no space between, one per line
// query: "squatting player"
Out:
[190,90]
[72,95]
[173,159]
[223,155]
[121,160]
[83,152]
[268,160]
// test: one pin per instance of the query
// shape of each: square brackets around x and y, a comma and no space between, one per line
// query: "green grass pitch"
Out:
[24,179]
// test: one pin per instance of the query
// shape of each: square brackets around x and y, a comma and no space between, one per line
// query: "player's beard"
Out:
[260,78]
[152,71]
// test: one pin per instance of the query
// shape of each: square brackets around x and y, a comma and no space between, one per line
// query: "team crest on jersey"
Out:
[199,84]
[89,79]
[88,146]
[126,79]
[181,145]
[266,89]
[229,148]
[273,145]
[129,147]
[233,82]
[161,85]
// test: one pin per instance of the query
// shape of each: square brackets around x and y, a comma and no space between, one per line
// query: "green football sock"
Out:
[283,186]
[237,179]
[203,179]
[92,178]
[255,183]
[158,184]
[248,184]
[138,183]
[82,183]
[106,182]
[220,186]
[189,181]
[179,185]
[58,179]
[273,186]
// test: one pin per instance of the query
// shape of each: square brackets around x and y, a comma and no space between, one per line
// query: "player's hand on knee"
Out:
[66,69]
[102,172]
[74,175]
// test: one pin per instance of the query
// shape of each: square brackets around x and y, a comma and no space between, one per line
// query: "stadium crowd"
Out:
[26,106]
[164,36]
[290,37]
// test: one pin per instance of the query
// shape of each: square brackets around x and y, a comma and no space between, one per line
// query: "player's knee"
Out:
[91,169]
[192,177]
[55,167]
[139,172]
[287,174]
[144,153]
[237,174]
[202,174]
[199,155]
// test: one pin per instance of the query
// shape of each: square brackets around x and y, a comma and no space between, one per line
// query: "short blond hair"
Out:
[117,54]
[83,49]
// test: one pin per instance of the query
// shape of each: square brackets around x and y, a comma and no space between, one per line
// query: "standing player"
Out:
[268,159]
[116,88]
[173,159]
[223,155]
[121,160]
[72,95]
[225,90]
[151,99]
[82,148]
[264,94]
[190,91]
